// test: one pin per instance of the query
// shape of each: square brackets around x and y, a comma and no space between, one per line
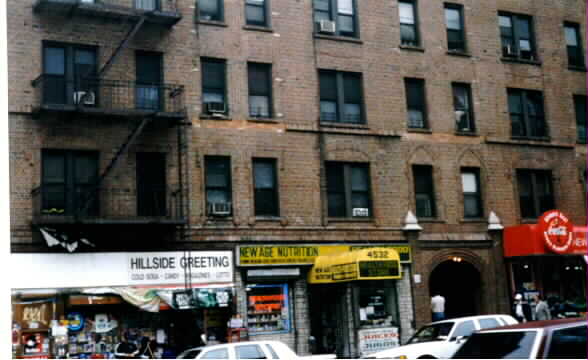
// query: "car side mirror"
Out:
[460,339]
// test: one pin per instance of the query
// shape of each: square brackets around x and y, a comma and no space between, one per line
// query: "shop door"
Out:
[325,301]
[459,283]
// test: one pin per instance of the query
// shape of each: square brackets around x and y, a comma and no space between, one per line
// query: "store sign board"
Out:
[304,254]
[34,315]
[174,267]
[119,269]
[374,340]
[557,231]
[365,264]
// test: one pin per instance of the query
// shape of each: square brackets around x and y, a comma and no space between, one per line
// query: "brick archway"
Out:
[460,282]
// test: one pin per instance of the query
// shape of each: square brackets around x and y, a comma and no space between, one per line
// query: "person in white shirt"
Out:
[438,307]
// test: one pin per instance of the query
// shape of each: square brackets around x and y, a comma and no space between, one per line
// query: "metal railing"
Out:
[107,95]
[107,203]
[136,6]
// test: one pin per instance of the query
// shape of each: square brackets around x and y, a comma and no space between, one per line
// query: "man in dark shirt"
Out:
[125,349]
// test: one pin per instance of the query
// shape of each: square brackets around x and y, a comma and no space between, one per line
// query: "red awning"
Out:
[525,240]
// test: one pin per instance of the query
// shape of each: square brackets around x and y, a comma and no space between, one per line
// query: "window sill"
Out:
[459,53]
[430,220]
[349,219]
[581,142]
[520,61]
[210,117]
[531,138]
[466,133]
[412,48]
[213,23]
[420,131]
[577,68]
[268,219]
[473,220]
[258,28]
[338,38]
[344,125]
[263,120]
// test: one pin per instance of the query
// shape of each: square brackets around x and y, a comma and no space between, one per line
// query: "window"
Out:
[214,86]
[526,113]
[580,106]
[535,192]
[218,185]
[516,35]
[147,5]
[380,297]
[265,187]
[489,323]
[499,345]
[415,103]
[466,329]
[149,78]
[68,70]
[455,28]
[424,191]
[216,354]
[463,108]
[348,190]
[249,352]
[574,45]
[260,90]
[472,198]
[568,343]
[256,12]
[341,97]
[267,308]
[342,12]
[151,184]
[68,179]
[409,32]
[211,10]
[272,351]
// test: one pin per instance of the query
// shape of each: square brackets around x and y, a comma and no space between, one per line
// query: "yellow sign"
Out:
[365,264]
[304,254]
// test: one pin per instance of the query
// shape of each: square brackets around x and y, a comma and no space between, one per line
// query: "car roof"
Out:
[465,318]
[542,324]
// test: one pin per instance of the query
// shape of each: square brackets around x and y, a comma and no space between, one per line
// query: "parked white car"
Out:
[441,339]
[248,350]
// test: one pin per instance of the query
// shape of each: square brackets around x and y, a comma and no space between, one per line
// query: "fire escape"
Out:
[95,97]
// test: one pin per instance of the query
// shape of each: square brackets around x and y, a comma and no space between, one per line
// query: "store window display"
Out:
[377,303]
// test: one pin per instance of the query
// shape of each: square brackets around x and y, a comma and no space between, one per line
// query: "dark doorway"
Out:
[151,185]
[459,282]
[325,303]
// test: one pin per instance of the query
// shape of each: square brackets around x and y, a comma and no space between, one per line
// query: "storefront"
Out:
[549,258]
[80,305]
[347,297]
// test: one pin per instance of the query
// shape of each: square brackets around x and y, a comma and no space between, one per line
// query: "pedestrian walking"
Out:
[521,310]
[438,307]
[542,309]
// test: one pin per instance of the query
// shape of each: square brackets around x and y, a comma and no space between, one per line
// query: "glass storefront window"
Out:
[377,303]
[267,309]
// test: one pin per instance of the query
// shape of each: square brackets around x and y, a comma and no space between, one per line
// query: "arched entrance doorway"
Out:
[459,282]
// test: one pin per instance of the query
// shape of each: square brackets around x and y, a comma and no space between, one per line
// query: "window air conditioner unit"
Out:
[360,212]
[87,97]
[215,108]
[219,209]
[509,51]
[327,26]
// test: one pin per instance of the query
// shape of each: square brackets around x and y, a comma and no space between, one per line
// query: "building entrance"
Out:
[459,282]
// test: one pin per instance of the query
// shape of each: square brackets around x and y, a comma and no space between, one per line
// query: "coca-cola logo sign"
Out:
[557,231]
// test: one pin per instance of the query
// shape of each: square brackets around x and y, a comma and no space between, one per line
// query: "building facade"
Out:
[285,131]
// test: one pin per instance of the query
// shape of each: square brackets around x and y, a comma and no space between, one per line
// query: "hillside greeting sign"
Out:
[304,254]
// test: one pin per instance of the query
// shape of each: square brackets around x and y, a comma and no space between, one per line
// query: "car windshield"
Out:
[502,345]
[432,333]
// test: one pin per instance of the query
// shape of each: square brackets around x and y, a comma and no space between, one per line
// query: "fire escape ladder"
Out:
[130,35]
[123,149]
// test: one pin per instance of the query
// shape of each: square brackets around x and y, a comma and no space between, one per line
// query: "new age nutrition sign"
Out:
[164,268]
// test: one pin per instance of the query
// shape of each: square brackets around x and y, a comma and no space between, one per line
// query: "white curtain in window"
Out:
[469,183]
[406,13]
[571,38]
[345,7]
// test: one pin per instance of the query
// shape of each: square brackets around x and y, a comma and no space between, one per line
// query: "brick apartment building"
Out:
[279,131]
